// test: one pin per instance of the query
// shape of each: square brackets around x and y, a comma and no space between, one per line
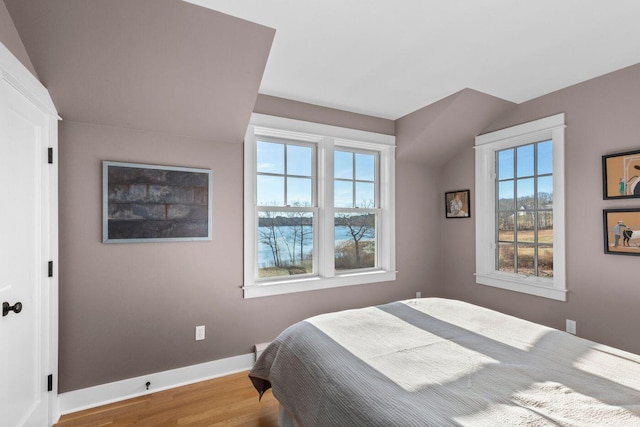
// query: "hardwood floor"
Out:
[225,401]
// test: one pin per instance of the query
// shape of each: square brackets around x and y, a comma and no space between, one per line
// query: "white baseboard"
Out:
[103,394]
[259,348]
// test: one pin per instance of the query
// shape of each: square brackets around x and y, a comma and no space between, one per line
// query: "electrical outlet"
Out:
[418,294]
[199,333]
[571,326]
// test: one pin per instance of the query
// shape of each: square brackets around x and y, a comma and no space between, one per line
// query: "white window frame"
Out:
[486,146]
[327,138]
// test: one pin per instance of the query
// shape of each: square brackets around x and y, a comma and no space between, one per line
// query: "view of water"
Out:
[265,256]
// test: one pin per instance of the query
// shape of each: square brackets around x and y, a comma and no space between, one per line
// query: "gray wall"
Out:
[11,39]
[604,294]
[131,309]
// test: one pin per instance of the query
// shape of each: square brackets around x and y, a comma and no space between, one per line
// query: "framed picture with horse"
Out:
[621,231]
[621,175]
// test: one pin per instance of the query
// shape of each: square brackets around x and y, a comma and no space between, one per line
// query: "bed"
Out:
[439,362]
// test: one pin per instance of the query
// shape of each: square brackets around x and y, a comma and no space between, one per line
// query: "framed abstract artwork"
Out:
[153,203]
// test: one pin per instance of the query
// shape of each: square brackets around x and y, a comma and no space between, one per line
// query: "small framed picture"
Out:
[457,204]
[621,175]
[621,231]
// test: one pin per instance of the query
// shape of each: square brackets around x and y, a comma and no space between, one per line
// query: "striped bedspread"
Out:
[438,362]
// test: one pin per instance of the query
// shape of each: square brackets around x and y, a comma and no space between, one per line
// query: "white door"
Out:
[24,248]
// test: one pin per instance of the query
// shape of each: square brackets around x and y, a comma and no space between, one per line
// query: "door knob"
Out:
[6,308]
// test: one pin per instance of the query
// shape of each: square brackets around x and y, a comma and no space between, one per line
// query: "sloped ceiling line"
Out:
[160,65]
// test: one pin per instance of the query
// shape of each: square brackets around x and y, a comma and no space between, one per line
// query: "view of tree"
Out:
[288,236]
[267,236]
[360,251]
[534,224]
[525,207]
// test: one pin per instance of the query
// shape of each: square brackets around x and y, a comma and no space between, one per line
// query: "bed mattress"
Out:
[439,362]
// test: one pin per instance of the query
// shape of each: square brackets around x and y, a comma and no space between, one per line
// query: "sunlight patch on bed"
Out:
[509,330]
[551,403]
[407,355]
[598,361]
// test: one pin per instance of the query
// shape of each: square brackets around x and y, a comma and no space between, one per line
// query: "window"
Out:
[520,208]
[285,191]
[319,207]
[356,209]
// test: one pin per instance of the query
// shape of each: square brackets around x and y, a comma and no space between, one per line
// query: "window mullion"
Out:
[286,179]
[325,181]
[354,202]
[535,210]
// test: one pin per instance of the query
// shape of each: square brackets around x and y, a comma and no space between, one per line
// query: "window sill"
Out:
[525,284]
[264,289]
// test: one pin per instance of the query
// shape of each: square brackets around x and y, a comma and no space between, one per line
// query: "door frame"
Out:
[13,72]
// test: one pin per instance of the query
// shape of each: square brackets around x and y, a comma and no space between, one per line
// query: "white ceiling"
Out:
[390,58]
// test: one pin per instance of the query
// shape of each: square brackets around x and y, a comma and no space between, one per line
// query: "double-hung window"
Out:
[520,208]
[285,192]
[356,207]
[319,207]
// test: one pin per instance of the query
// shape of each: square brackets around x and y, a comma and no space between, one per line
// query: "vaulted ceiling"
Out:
[390,58]
[195,67]
[163,65]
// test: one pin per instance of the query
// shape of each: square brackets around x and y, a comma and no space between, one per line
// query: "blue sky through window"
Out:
[273,175]
[524,167]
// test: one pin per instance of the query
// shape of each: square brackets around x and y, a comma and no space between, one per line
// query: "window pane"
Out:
[526,259]
[525,194]
[525,160]
[506,226]
[365,195]
[545,227]
[270,157]
[285,243]
[526,226]
[505,257]
[270,190]
[545,158]
[343,194]
[299,160]
[343,165]
[355,241]
[545,192]
[505,164]
[299,191]
[365,167]
[545,261]
[505,195]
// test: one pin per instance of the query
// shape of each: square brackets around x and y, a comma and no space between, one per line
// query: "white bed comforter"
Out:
[438,362]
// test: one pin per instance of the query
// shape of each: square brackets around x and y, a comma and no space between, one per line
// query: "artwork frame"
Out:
[457,204]
[621,175]
[155,203]
[627,241]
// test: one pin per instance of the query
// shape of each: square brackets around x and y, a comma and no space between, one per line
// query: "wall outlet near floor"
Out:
[418,294]
[199,333]
[571,326]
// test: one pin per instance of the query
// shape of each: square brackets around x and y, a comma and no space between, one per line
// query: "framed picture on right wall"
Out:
[621,175]
[621,231]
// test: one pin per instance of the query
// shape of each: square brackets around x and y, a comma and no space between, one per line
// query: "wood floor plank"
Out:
[224,401]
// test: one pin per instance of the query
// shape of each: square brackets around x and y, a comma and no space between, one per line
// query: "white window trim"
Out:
[486,146]
[326,137]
